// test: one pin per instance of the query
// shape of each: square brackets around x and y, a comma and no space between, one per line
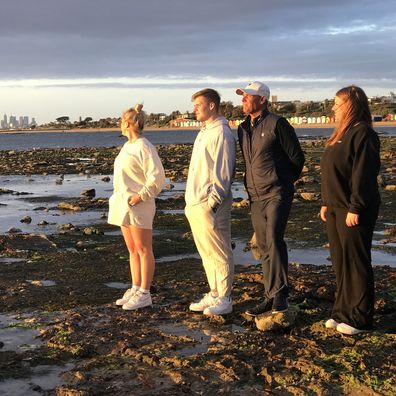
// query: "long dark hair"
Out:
[356,110]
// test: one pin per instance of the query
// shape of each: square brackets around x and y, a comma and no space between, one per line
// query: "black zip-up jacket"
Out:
[273,156]
[349,170]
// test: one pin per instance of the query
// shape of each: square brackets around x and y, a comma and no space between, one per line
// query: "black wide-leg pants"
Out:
[269,220]
[350,251]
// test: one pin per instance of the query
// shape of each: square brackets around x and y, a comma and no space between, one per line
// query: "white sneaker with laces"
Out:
[206,301]
[331,324]
[127,295]
[222,306]
[138,300]
[348,330]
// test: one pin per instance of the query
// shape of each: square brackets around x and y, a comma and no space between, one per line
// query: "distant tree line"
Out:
[228,110]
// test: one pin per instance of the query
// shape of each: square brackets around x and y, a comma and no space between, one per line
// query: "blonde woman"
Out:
[138,178]
[350,166]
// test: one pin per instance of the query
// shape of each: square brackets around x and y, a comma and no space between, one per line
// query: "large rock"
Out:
[308,179]
[68,206]
[240,203]
[92,231]
[26,242]
[390,231]
[13,230]
[278,321]
[309,196]
[6,191]
[89,193]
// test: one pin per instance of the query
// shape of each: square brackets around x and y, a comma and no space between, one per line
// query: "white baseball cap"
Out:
[255,88]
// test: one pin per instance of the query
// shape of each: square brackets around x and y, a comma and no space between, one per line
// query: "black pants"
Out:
[350,251]
[269,219]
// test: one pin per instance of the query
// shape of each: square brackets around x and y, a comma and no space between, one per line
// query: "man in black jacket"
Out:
[274,160]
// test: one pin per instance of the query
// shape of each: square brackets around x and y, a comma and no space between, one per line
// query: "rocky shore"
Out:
[61,287]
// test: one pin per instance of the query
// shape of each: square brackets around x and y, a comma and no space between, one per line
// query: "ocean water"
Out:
[38,140]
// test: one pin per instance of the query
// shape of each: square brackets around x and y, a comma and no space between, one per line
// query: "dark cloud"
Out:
[223,38]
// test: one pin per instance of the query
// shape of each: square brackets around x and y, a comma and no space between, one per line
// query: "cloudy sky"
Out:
[97,57]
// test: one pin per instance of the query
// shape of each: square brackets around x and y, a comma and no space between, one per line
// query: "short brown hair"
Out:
[211,96]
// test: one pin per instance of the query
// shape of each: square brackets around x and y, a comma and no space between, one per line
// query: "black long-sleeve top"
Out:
[349,170]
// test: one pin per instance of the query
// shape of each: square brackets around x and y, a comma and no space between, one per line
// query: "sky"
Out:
[95,58]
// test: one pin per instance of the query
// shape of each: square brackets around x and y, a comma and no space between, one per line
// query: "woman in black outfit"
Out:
[350,165]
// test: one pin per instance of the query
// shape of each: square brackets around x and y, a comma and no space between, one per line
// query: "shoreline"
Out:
[84,130]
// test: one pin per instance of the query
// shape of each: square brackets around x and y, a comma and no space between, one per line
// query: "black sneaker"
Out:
[280,304]
[265,306]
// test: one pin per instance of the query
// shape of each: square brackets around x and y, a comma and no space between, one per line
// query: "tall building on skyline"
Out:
[14,122]
[4,122]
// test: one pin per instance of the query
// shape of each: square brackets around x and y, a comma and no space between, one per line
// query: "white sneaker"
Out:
[127,295]
[331,324]
[348,330]
[138,300]
[222,306]
[206,301]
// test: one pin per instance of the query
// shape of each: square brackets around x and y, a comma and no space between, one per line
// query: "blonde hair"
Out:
[135,117]
[356,110]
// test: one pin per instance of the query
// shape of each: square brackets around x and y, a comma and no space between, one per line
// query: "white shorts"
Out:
[122,214]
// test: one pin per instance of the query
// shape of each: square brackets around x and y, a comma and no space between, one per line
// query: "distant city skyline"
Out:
[13,121]
[80,60]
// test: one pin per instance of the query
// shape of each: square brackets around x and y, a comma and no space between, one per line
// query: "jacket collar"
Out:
[247,125]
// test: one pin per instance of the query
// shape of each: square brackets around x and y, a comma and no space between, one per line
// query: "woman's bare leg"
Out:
[142,239]
[134,258]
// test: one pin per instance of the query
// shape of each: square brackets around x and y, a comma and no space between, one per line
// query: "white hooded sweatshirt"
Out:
[212,165]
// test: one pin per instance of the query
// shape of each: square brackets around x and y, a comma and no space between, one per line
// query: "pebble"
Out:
[26,219]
